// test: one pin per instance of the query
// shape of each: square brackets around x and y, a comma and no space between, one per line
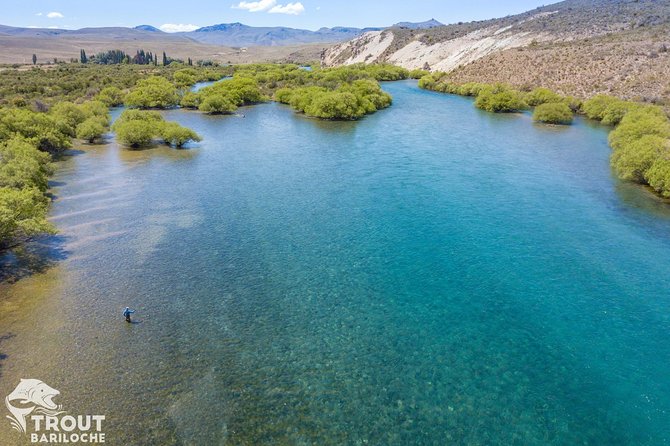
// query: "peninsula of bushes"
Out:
[640,139]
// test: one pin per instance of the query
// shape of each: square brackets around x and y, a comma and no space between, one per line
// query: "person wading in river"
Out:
[127,312]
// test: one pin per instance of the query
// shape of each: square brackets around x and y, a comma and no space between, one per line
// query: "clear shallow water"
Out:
[430,275]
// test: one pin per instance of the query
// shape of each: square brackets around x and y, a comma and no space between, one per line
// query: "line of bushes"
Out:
[640,141]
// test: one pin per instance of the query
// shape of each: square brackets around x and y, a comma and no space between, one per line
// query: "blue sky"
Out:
[309,14]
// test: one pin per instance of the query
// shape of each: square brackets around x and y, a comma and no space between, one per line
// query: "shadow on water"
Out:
[67,154]
[33,257]
[643,198]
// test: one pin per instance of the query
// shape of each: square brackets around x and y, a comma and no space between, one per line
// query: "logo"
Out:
[32,408]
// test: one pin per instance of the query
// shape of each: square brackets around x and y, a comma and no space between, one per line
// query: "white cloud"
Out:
[39,14]
[178,27]
[271,7]
[261,5]
[290,8]
[55,15]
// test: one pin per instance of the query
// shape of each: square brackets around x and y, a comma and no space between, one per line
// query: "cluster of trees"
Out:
[26,138]
[640,141]
[113,57]
[224,97]
[553,113]
[39,88]
[334,93]
[349,101]
[500,98]
[153,92]
[24,172]
[140,128]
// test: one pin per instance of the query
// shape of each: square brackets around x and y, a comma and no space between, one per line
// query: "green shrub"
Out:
[418,74]
[153,92]
[139,128]
[595,107]
[185,77]
[637,123]
[217,103]
[135,133]
[23,212]
[39,129]
[553,113]
[190,100]
[500,99]
[110,96]
[91,129]
[174,134]
[658,175]
[22,165]
[632,161]
[541,96]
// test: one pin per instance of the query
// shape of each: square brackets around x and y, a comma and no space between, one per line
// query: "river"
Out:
[431,274]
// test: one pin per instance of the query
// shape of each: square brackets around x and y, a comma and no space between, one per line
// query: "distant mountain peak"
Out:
[432,23]
[221,27]
[149,28]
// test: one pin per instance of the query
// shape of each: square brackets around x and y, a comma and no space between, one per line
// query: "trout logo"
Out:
[32,408]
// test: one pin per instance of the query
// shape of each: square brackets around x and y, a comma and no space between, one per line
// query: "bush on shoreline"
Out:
[500,99]
[139,128]
[553,113]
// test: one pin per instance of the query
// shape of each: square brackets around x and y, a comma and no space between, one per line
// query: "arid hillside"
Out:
[577,47]
[17,45]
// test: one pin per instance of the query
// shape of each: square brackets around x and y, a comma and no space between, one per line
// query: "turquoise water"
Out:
[432,274]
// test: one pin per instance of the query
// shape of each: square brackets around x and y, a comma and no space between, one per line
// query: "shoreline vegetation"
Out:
[640,138]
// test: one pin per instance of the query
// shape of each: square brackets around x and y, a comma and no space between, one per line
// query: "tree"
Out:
[22,165]
[541,96]
[34,59]
[153,92]
[91,129]
[658,175]
[135,133]
[23,213]
[139,128]
[165,59]
[39,129]
[68,116]
[190,100]
[553,113]
[595,107]
[634,160]
[500,99]
[110,96]
[82,56]
[176,135]
[184,78]
[217,103]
